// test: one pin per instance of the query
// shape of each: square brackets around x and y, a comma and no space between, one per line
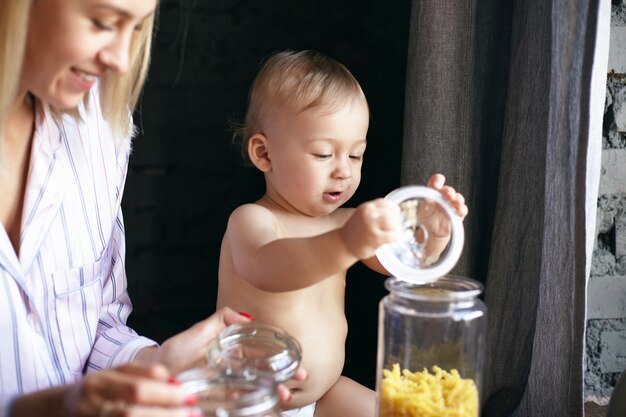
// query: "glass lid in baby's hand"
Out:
[432,239]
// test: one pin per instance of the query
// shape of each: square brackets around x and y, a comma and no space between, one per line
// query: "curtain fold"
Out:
[498,100]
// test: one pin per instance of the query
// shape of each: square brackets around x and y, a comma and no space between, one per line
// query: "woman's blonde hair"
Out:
[119,93]
[13,30]
[304,80]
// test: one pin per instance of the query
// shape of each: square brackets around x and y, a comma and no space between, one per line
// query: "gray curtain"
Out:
[498,99]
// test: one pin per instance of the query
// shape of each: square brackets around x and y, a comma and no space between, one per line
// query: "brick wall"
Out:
[606,304]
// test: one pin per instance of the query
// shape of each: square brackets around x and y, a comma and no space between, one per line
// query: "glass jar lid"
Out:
[255,351]
[222,395]
[432,239]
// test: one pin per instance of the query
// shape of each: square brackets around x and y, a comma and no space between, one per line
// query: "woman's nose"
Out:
[116,55]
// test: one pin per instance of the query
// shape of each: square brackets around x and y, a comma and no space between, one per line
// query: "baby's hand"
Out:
[434,223]
[433,216]
[372,224]
[437,181]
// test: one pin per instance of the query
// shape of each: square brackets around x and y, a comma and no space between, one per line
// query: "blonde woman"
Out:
[71,72]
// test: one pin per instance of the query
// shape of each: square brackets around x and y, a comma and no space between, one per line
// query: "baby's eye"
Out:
[322,155]
[356,157]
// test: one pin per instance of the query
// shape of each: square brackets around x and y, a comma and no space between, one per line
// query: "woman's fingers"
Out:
[131,384]
[120,409]
[301,375]
[284,395]
[210,327]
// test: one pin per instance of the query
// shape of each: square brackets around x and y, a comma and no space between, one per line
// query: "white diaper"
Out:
[307,411]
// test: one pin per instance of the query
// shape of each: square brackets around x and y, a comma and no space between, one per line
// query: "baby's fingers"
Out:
[456,199]
[462,210]
[437,181]
[379,215]
[449,193]
[389,218]
[460,206]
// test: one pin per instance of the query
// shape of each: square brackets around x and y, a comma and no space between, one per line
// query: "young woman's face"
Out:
[73,42]
[316,157]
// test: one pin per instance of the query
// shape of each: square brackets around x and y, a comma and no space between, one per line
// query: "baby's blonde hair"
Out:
[301,80]
[119,93]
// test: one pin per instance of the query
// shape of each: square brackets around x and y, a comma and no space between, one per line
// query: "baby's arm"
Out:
[274,263]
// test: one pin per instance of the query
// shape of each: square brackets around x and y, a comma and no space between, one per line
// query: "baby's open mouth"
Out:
[334,195]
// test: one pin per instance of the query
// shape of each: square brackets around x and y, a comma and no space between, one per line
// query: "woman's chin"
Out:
[64,102]
[67,105]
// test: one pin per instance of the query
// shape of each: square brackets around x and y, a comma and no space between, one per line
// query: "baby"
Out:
[284,258]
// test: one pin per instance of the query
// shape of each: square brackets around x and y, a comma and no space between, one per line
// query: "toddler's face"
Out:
[316,156]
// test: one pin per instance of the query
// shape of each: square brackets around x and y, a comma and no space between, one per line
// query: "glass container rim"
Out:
[260,398]
[288,348]
[455,288]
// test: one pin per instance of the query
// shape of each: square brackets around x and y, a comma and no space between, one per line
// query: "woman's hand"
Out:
[284,394]
[187,349]
[129,390]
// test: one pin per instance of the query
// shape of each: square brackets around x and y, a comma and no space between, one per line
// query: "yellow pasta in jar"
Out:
[422,394]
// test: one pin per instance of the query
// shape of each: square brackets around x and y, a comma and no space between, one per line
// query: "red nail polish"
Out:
[246,315]
[173,381]
[192,399]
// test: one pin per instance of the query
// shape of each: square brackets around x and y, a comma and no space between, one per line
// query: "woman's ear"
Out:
[258,152]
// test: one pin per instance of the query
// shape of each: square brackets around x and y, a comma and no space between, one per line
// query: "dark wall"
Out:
[185,177]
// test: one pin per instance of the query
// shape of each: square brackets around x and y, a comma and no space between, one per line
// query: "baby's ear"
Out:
[257,151]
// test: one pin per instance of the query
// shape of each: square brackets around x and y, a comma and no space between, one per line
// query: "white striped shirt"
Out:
[63,302]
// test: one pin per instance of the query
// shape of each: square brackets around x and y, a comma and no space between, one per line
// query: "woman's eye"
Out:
[101,25]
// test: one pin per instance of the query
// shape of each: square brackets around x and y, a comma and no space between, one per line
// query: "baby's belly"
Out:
[323,353]
[314,316]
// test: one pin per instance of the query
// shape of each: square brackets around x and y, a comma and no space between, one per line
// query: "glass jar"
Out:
[253,351]
[431,344]
[222,395]
[431,331]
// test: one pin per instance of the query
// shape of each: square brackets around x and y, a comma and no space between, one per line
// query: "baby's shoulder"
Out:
[253,208]
[251,215]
